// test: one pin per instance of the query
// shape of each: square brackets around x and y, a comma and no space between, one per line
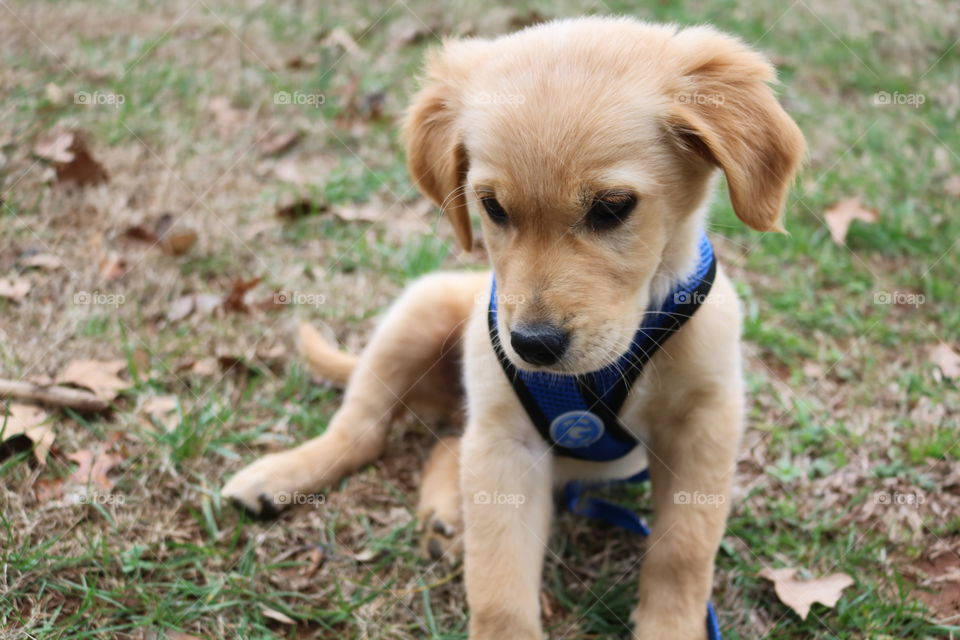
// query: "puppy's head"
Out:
[588,146]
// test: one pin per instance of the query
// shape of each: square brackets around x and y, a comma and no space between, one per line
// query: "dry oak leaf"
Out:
[799,595]
[14,288]
[299,209]
[173,241]
[273,614]
[67,151]
[28,421]
[946,359]
[841,215]
[227,117]
[952,186]
[112,266]
[93,468]
[163,411]
[277,143]
[201,303]
[44,261]
[236,299]
[99,376]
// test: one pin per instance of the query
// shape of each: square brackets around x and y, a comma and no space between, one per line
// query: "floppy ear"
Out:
[436,157]
[723,105]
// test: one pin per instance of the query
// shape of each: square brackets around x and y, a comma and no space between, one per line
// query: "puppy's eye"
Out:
[610,211]
[494,210]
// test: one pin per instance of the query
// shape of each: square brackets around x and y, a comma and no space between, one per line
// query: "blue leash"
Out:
[619,516]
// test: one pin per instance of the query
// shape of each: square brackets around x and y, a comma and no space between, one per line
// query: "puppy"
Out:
[588,148]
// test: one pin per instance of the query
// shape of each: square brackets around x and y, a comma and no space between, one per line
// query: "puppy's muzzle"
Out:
[539,344]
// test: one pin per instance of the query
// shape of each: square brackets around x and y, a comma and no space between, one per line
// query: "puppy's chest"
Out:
[640,409]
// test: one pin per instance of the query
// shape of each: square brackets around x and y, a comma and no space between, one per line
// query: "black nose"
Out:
[539,344]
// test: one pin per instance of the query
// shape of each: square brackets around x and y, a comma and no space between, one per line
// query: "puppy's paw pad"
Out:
[441,541]
[260,488]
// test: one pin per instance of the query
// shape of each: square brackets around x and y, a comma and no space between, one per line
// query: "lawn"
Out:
[254,179]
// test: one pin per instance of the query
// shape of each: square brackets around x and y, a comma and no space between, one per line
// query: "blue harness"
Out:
[578,415]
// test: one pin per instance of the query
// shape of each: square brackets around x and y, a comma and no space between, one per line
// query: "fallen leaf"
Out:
[366,555]
[952,186]
[67,151]
[317,556]
[944,357]
[140,232]
[54,93]
[141,359]
[372,104]
[227,117]
[180,308]
[163,411]
[279,142]
[344,40]
[55,147]
[14,288]
[235,299]
[45,261]
[47,489]
[201,303]
[176,635]
[841,215]
[178,243]
[99,376]
[407,31]
[366,213]
[303,62]
[273,614]
[175,241]
[799,595]
[289,170]
[300,209]
[27,421]
[205,367]
[113,266]
[92,469]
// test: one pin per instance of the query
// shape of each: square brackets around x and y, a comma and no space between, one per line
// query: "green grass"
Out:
[835,378]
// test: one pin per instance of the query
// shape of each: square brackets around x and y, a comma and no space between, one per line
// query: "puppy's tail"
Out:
[325,360]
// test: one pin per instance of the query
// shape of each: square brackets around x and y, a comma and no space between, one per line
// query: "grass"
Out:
[846,405]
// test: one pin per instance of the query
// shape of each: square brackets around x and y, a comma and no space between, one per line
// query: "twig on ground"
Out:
[58,396]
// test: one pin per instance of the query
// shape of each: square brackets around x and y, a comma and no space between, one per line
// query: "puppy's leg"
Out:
[507,503]
[420,334]
[440,511]
[691,467]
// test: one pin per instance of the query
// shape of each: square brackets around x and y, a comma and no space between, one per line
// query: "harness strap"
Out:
[602,393]
[619,516]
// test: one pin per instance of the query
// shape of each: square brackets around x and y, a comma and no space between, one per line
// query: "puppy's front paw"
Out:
[267,486]
[441,536]
[656,625]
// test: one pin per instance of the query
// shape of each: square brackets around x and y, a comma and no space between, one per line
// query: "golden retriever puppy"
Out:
[588,148]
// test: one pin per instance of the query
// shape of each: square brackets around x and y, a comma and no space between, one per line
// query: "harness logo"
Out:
[576,429]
